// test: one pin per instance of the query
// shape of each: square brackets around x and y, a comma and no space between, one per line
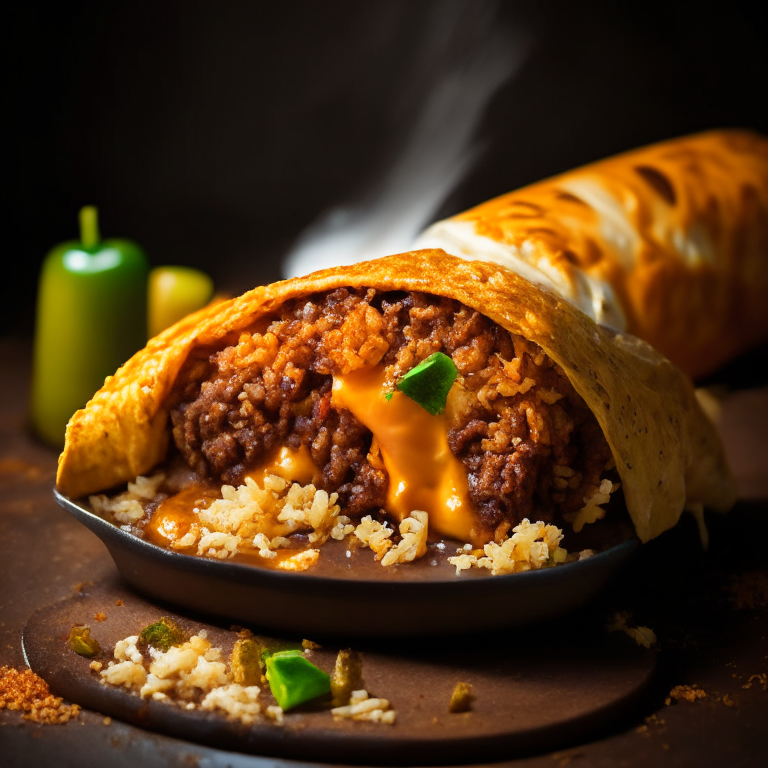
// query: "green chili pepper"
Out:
[81,642]
[293,679]
[174,292]
[429,382]
[91,317]
[247,661]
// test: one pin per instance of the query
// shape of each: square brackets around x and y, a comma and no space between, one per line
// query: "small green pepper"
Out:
[162,635]
[175,292]
[91,317]
[429,382]
[347,676]
[247,662]
[81,642]
[293,679]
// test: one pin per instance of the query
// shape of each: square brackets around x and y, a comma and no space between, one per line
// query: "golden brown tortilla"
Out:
[668,242]
[667,452]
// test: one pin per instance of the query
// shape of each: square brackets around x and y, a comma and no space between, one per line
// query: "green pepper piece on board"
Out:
[162,634]
[91,317]
[429,382]
[247,661]
[293,679]
[81,642]
[175,292]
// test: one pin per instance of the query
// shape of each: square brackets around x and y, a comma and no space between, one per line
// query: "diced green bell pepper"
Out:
[293,679]
[81,642]
[429,382]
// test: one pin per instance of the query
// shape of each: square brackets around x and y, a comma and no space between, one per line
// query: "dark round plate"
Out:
[348,593]
[546,688]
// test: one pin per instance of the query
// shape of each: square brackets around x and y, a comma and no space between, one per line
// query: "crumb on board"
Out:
[27,692]
[461,698]
[81,642]
[564,758]
[100,616]
[118,602]
[654,719]
[347,676]
[644,636]
[760,679]
[309,645]
[688,693]
[748,590]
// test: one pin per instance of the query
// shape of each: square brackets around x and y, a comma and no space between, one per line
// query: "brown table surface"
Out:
[709,611]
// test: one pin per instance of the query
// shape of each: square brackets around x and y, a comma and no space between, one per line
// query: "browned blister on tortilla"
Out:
[667,452]
[668,243]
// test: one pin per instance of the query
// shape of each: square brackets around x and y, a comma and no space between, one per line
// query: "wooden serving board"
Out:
[535,689]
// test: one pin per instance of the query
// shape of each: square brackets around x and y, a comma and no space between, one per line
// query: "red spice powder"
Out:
[27,692]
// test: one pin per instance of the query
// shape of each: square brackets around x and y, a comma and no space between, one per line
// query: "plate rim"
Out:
[539,577]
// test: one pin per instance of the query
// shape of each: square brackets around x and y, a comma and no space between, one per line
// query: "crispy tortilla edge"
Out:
[668,454]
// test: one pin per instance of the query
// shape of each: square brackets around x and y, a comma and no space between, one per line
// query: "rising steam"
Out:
[465,58]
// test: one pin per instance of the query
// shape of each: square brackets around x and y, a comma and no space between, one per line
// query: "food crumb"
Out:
[118,602]
[273,712]
[761,679]
[565,758]
[100,616]
[309,645]
[727,700]
[28,692]
[644,636]
[107,720]
[81,642]
[686,693]
[96,666]
[362,707]
[347,676]
[749,590]
[461,698]
[655,720]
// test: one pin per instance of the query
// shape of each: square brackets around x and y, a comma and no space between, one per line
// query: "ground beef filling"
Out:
[530,445]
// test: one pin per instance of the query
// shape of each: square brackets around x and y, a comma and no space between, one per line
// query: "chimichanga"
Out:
[547,406]
[294,410]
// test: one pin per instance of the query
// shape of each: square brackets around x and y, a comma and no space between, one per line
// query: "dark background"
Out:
[215,133]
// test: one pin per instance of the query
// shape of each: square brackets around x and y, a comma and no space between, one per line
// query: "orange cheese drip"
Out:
[294,466]
[174,517]
[423,473]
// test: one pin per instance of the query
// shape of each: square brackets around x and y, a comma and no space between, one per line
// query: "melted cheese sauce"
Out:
[175,516]
[423,473]
[294,466]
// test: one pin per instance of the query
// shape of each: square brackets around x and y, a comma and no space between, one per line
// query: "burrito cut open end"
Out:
[283,401]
